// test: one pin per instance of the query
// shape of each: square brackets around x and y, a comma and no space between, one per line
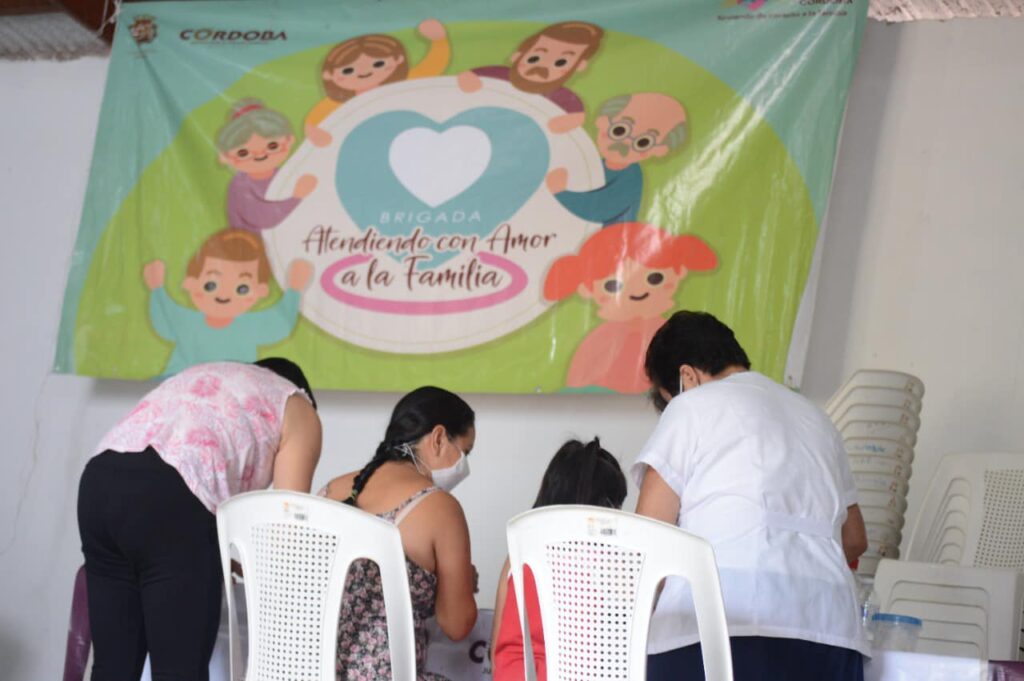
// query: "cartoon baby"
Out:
[225,279]
[542,64]
[366,62]
[255,142]
[632,272]
[630,130]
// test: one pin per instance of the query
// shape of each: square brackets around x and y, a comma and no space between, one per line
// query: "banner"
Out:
[499,197]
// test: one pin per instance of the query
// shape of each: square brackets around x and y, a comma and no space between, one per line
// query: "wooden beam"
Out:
[12,7]
[90,13]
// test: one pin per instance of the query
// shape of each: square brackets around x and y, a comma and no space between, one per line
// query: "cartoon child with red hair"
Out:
[631,271]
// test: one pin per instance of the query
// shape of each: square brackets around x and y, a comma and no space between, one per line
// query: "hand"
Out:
[299,274]
[469,81]
[565,123]
[236,569]
[153,274]
[557,180]
[432,29]
[318,136]
[304,187]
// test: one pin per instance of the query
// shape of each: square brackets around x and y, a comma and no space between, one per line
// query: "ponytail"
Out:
[415,415]
[582,474]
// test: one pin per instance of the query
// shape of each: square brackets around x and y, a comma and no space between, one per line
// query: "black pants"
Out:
[152,568]
[758,658]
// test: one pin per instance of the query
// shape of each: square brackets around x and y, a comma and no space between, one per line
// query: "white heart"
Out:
[438,166]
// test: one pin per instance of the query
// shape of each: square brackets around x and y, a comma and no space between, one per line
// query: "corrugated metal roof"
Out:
[27,33]
[53,35]
[916,10]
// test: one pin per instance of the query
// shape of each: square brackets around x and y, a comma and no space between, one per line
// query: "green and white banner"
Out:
[496,197]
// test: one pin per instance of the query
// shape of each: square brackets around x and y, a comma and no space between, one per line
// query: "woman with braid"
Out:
[421,459]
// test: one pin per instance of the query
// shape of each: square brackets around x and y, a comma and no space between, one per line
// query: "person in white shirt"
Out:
[762,474]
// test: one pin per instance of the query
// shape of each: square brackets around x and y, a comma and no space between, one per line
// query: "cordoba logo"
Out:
[218,35]
[143,29]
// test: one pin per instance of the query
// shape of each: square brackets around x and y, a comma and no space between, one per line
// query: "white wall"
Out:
[919,274]
[922,264]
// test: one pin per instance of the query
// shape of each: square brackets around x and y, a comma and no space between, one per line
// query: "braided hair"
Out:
[582,474]
[415,415]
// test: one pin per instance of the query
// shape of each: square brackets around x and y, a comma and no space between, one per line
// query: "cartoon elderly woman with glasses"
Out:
[255,141]
[630,130]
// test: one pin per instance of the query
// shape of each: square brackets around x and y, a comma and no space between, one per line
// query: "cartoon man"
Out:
[630,130]
[226,277]
[542,64]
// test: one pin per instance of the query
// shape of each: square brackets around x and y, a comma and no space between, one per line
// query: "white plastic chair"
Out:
[889,397]
[880,378]
[874,412]
[878,430]
[966,554]
[973,513]
[597,573]
[967,612]
[868,464]
[882,516]
[295,550]
[874,446]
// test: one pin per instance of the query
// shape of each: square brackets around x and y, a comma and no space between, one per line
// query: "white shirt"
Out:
[762,474]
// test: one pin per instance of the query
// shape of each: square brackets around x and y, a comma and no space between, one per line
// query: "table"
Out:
[887,665]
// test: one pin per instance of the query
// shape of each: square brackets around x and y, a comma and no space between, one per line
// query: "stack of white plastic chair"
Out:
[878,414]
[964,576]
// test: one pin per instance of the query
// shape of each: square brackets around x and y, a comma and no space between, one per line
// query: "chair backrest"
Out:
[296,550]
[881,378]
[597,572]
[973,513]
[965,611]
[890,397]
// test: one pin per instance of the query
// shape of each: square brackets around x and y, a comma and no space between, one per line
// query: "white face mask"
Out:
[445,478]
[448,478]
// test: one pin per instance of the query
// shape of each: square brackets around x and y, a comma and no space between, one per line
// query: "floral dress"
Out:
[362,630]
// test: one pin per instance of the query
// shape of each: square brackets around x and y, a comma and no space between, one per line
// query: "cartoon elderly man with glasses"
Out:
[630,129]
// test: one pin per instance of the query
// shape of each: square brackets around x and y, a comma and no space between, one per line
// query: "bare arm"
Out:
[300,446]
[657,500]
[456,582]
[855,536]
[499,608]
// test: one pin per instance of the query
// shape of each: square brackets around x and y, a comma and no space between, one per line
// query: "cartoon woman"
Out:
[255,141]
[363,63]
[631,271]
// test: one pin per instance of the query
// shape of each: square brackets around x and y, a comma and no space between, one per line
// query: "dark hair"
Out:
[582,474]
[415,415]
[290,371]
[694,338]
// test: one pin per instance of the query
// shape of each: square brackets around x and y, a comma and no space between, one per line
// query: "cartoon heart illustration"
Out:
[438,166]
[466,175]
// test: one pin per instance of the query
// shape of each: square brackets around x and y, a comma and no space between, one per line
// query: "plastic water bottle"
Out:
[868,601]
